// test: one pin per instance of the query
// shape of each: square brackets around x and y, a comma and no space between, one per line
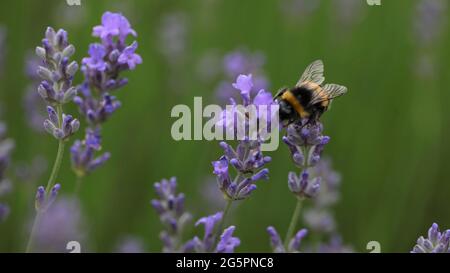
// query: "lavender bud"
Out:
[40,52]
[40,198]
[69,95]
[72,68]
[68,51]
[45,73]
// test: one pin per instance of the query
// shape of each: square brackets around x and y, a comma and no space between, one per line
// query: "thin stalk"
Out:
[50,183]
[293,223]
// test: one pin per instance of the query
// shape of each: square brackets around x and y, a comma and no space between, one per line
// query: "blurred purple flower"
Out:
[429,20]
[6,147]
[60,224]
[437,242]
[173,31]
[335,245]
[172,214]
[208,244]
[241,64]
[277,243]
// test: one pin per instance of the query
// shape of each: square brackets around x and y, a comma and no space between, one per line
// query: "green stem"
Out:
[222,221]
[33,232]
[293,223]
[50,183]
[56,167]
[78,184]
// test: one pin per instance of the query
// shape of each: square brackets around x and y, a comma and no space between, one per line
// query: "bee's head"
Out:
[286,112]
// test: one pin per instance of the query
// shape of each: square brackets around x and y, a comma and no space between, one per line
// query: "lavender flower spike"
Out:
[277,243]
[437,242]
[57,72]
[247,159]
[56,86]
[208,244]
[170,207]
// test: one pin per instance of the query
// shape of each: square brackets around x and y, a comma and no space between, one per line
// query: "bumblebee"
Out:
[309,99]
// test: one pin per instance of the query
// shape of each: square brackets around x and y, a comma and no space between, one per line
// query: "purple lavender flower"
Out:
[227,242]
[61,128]
[97,53]
[96,111]
[83,153]
[130,58]
[302,185]
[305,143]
[59,225]
[113,25]
[209,243]
[277,243]
[102,71]
[172,214]
[43,201]
[437,242]
[56,86]
[247,158]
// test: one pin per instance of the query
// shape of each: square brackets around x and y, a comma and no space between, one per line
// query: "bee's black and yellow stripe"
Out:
[300,97]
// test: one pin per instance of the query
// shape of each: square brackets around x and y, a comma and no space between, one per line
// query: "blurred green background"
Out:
[389,133]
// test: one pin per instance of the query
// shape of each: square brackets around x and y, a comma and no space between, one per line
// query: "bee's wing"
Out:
[279,93]
[313,73]
[329,92]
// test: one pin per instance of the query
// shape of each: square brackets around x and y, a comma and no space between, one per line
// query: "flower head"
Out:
[302,186]
[305,143]
[113,25]
[170,207]
[130,58]
[97,53]
[437,242]
[227,242]
[294,243]
[83,153]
